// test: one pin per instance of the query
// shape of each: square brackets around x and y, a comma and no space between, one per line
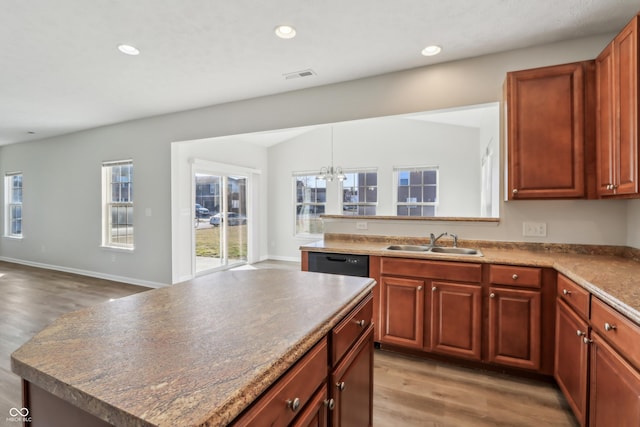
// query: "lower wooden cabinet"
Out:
[514,327]
[316,413]
[571,358]
[352,385]
[403,302]
[456,319]
[614,388]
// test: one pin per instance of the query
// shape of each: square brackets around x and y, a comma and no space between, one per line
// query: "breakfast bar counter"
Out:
[191,354]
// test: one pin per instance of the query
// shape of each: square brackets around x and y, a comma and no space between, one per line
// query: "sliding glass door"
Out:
[220,221]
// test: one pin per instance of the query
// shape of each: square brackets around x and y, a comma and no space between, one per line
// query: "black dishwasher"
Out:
[348,265]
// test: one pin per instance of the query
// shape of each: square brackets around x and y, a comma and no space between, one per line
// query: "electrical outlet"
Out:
[534,229]
[361,225]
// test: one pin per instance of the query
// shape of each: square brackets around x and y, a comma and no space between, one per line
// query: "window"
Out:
[360,192]
[13,204]
[310,203]
[417,191]
[117,195]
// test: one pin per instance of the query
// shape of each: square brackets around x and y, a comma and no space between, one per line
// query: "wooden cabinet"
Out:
[571,359]
[549,122]
[316,413]
[614,388]
[515,316]
[403,303]
[617,115]
[456,319]
[352,385]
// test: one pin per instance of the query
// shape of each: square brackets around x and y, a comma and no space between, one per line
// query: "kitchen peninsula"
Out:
[200,352]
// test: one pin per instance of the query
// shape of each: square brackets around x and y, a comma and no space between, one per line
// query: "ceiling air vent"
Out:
[298,74]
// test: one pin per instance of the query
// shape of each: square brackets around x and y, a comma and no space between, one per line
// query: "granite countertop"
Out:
[610,273]
[191,354]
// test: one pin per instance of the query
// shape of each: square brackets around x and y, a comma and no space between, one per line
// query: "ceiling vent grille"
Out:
[298,74]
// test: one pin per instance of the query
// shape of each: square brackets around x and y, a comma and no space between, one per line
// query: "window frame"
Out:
[10,204]
[365,204]
[108,203]
[315,217]
[396,184]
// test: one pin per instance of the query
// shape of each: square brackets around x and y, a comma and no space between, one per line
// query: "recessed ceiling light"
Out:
[128,49]
[285,31]
[431,50]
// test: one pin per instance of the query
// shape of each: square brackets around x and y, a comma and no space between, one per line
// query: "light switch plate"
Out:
[534,229]
[361,225]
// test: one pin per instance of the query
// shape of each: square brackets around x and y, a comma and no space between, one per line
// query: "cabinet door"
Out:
[605,122]
[614,388]
[316,412]
[514,327]
[546,114]
[625,55]
[456,319]
[352,386]
[402,311]
[571,357]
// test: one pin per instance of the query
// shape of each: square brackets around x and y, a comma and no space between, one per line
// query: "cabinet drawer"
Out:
[574,295]
[454,271]
[349,329]
[617,329]
[280,404]
[528,277]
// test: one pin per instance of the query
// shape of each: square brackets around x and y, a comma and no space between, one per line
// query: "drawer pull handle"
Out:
[330,404]
[340,385]
[566,292]
[294,404]
[360,323]
[514,277]
[514,191]
[492,295]
[580,333]
[609,327]
[434,289]
[419,288]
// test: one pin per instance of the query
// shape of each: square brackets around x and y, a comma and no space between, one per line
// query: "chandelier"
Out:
[329,173]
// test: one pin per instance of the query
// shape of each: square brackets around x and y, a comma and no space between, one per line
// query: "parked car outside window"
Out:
[201,211]
[233,217]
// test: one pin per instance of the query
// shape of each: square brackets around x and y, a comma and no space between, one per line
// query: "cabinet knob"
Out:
[340,385]
[330,404]
[360,323]
[566,292]
[492,295]
[434,289]
[609,327]
[514,191]
[514,277]
[419,288]
[294,404]
[580,333]
[586,340]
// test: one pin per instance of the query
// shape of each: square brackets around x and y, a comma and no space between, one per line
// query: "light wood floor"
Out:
[407,391]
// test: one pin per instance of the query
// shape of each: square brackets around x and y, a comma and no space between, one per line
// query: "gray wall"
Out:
[62,227]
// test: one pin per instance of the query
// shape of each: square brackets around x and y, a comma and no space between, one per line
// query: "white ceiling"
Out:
[60,70]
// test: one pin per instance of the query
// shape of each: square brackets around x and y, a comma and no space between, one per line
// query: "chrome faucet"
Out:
[455,239]
[434,239]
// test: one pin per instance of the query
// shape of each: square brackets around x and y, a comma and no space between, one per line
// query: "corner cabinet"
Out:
[617,115]
[550,132]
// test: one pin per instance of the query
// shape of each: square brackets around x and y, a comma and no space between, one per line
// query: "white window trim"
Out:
[396,170]
[294,197]
[106,212]
[358,170]
[9,204]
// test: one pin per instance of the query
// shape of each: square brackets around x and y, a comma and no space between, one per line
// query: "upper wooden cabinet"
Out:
[617,115]
[550,131]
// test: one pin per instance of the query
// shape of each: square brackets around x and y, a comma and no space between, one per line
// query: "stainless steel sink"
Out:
[411,248]
[455,251]
[436,249]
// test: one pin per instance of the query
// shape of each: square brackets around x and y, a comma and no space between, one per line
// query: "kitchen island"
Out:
[195,353]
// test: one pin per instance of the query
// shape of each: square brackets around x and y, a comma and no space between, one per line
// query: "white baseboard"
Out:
[283,258]
[97,275]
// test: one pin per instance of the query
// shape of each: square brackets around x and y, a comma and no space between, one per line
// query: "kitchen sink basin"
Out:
[435,250]
[454,251]
[411,248]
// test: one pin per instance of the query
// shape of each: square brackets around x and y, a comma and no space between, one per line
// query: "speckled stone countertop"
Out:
[611,273]
[191,354]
